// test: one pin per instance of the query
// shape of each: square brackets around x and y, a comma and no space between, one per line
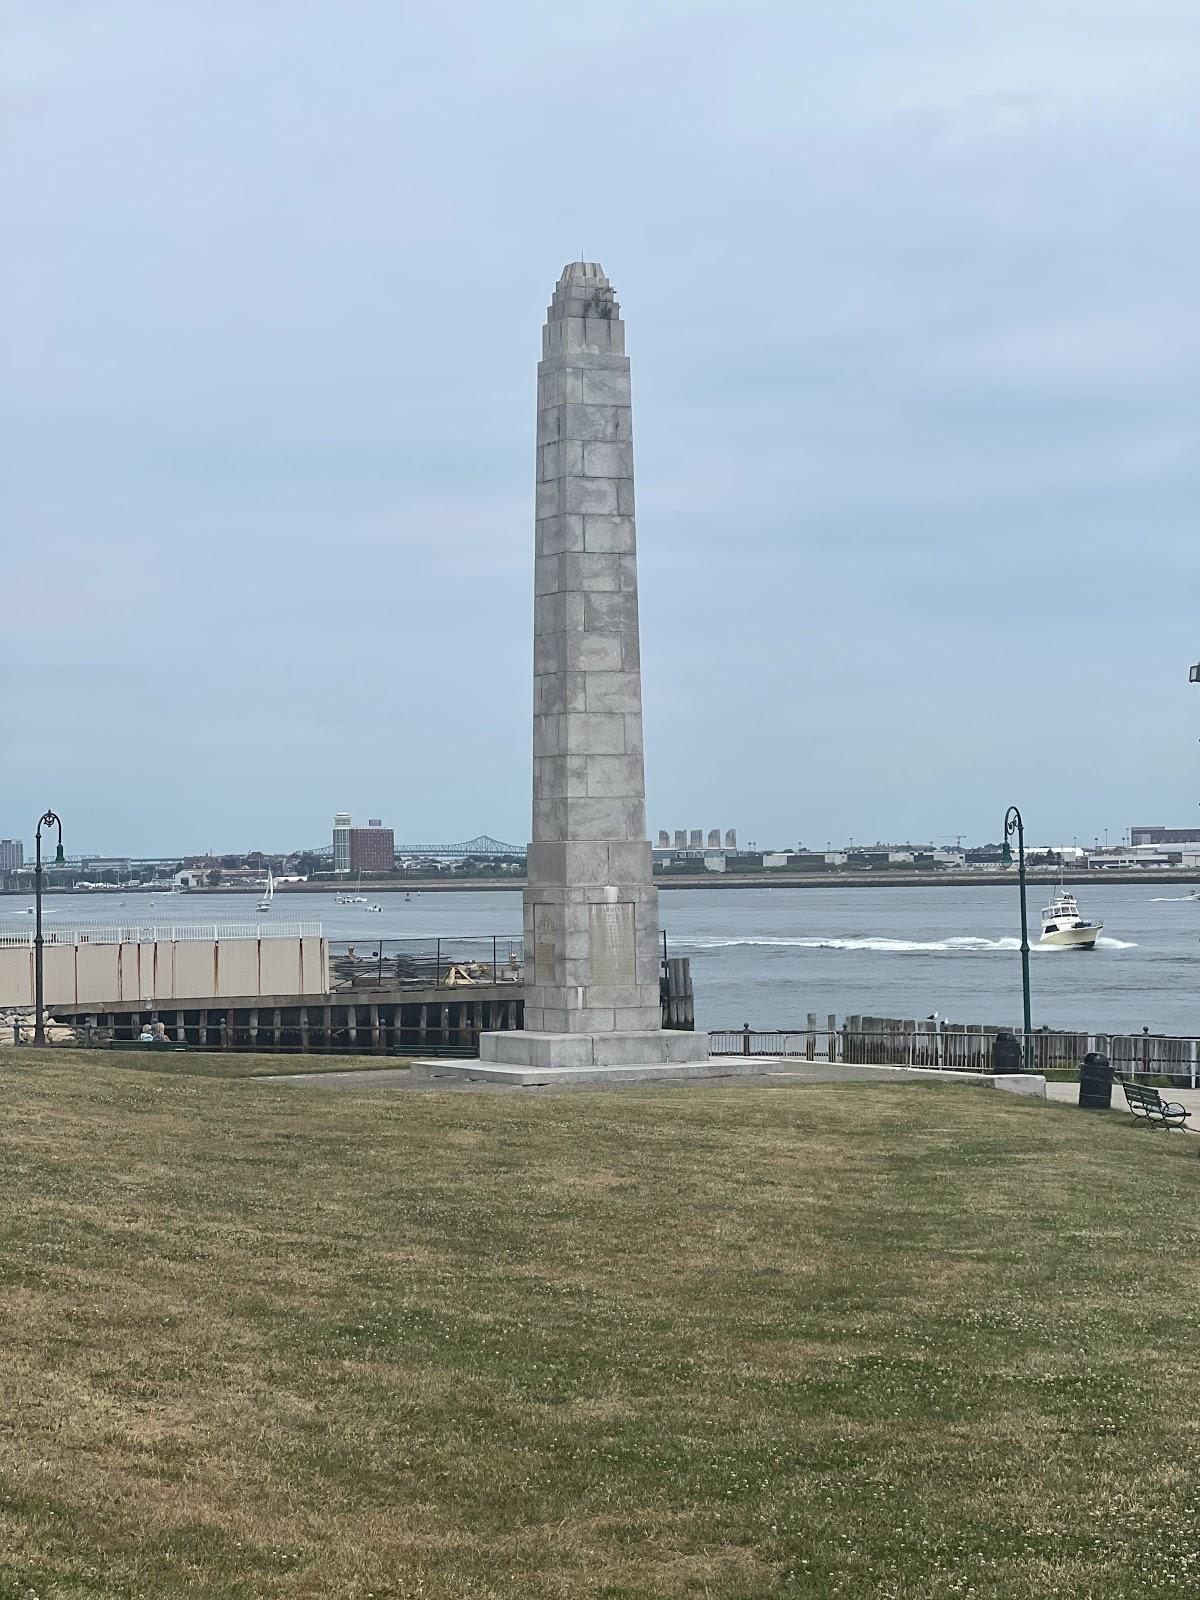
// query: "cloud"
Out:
[910,304]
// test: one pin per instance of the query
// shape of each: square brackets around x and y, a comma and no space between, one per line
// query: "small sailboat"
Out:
[1062,924]
[265,903]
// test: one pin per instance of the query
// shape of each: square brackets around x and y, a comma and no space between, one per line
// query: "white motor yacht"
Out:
[1062,924]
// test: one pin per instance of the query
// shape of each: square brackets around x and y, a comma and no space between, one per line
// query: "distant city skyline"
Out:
[916,351]
[1143,834]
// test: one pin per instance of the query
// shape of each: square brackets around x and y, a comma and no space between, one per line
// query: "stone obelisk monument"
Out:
[591,908]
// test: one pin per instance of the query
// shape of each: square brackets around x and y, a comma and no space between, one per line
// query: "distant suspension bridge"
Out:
[482,848]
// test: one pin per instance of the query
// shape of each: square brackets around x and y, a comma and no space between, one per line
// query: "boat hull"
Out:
[1074,938]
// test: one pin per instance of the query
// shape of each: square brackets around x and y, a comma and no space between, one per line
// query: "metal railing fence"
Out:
[452,962]
[810,1044]
[877,1041]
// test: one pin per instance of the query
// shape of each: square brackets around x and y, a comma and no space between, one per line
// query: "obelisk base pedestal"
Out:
[584,1051]
[531,1059]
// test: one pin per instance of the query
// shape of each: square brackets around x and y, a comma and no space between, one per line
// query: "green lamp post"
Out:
[47,821]
[1015,823]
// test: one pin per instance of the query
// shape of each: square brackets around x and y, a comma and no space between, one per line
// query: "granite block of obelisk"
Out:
[590,904]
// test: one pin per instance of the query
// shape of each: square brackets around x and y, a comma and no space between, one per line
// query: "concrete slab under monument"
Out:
[521,1077]
[793,1068]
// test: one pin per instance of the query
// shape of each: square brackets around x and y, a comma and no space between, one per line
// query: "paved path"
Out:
[1069,1094]
[402,1078]
[771,1071]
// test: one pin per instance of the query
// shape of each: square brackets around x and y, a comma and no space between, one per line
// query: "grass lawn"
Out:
[849,1341]
[241,1063]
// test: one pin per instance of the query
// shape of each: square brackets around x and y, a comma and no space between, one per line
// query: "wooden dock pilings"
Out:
[678,996]
[425,1023]
[955,1046]
[411,1021]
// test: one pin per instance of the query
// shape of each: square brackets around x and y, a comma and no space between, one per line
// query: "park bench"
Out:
[1150,1106]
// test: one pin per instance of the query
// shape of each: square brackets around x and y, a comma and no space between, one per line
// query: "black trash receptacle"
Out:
[1006,1053]
[1095,1082]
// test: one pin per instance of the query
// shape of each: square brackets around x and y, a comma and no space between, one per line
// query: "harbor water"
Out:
[770,956]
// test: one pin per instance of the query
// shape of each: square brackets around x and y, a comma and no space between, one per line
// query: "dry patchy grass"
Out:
[242,1063]
[744,1342]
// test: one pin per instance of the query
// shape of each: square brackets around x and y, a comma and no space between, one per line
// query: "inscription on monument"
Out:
[545,960]
[612,943]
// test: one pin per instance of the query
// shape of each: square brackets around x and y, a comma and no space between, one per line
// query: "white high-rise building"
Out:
[12,855]
[341,842]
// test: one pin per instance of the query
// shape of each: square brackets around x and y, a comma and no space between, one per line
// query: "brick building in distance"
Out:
[372,849]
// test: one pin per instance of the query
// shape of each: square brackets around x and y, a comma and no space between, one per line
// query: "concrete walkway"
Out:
[1068,1093]
[718,1071]
[407,1081]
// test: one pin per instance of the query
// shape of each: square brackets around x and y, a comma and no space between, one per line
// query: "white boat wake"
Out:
[965,943]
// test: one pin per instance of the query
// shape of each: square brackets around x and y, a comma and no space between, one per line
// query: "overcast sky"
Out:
[911,298]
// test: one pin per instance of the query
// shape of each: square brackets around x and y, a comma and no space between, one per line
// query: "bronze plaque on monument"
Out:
[612,943]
